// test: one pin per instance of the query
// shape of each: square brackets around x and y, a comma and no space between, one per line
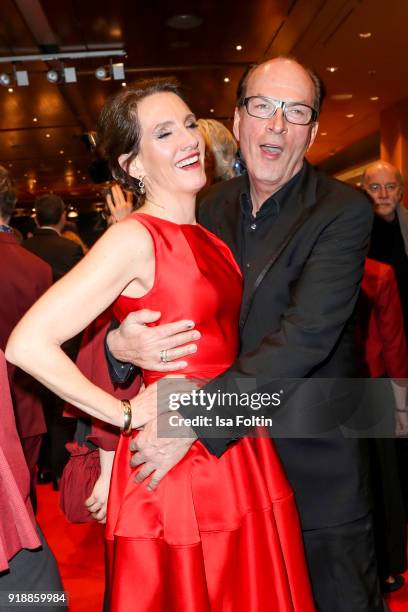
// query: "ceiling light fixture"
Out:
[53,76]
[21,77]
[70,75]
[35,119]
[48,135]
[62,152]
[211,110]
[10,90]
[350,115]
[239,47]
[118,71]
[226,80]
[365,34]
[5,79]
[323,133]
[102,73]
[331,68]
[374,98]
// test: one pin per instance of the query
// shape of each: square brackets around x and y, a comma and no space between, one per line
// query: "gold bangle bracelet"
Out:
[127,417]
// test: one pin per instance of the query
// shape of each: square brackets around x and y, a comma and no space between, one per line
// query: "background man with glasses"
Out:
[389,240]
[301,239]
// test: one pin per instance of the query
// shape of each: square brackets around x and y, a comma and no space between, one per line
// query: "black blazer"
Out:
[296,321]
[62,254]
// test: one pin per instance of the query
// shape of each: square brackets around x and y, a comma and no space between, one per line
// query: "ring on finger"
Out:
[163,356]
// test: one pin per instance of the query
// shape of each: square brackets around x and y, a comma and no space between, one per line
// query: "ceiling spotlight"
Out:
[35,119]
[226,80]
[62,152]
[118,71]
[350,115]
[48,135]
[5,79]
[53,76]
[323,133]
[211,110]
[123,84]
[21,77]
[103,73]
[70,75]
[365,34]
[331,68]
[10,90]
[374,98]
[239,47]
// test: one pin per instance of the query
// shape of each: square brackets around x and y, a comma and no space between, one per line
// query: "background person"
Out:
[61,254]
[220,151]
[25,277]
[389,239]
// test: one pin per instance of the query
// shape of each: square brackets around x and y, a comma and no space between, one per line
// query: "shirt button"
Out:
[253,226]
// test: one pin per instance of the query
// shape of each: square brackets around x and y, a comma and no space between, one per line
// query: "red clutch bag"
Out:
[78,480]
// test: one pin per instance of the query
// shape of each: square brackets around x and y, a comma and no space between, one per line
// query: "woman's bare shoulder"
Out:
[130,236]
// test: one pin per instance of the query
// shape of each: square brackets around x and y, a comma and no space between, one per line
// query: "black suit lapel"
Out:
[290,220]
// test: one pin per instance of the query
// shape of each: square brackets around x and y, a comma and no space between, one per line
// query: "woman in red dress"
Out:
[218,534]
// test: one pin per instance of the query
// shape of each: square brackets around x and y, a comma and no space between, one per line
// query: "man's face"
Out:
[273,149]
[384,187]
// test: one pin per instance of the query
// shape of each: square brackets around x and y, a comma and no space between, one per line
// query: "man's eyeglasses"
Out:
[294,112]
[376,187]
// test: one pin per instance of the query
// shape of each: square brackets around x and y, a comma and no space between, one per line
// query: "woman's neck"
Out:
[178,208]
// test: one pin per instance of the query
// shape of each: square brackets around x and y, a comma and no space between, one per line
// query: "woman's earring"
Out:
[141,186]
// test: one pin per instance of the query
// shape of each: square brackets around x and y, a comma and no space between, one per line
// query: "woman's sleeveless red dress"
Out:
[218,534]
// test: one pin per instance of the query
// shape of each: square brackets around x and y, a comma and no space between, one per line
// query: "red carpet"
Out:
[79,552]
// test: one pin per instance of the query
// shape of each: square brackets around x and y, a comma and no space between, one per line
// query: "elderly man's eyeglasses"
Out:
[376,187]
[294,112]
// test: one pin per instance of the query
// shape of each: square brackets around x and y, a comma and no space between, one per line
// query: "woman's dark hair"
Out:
[119,130]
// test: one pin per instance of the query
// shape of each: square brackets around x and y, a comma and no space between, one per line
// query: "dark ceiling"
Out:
[42,125]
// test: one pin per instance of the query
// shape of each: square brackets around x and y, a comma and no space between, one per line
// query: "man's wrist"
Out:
[112,341]
[120,371]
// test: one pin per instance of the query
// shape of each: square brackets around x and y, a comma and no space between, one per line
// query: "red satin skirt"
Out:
[218,535]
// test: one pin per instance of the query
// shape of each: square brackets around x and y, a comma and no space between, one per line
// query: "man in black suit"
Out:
[301,239]
[62,255]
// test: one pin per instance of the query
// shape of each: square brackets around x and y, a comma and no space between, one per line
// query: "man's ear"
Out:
[313,134]
[235,128]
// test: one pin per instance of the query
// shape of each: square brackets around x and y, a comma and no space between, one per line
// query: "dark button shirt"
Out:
[255,228]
